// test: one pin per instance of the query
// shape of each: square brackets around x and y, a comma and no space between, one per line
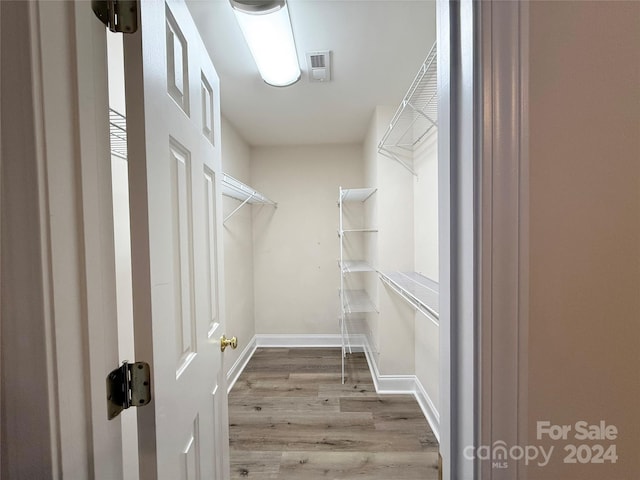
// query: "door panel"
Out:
[191,456]
[211,249]
[183,292]
[174,161]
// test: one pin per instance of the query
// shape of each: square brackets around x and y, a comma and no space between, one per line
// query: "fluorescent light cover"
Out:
[270,40]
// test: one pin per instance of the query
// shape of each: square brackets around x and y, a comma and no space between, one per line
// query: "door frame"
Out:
[457,225]
[59,324]
[483,231]
[73,217]
[502,87]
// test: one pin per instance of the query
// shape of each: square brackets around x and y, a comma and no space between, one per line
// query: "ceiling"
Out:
[377,47]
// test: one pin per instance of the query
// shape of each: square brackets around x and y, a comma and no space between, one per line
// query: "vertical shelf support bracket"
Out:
[238,208]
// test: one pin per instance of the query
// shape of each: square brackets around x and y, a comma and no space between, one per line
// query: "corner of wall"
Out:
[238,247]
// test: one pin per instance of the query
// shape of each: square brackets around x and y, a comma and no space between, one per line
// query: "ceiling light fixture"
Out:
[266,27]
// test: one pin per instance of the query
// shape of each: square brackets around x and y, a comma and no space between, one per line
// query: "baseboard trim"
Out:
[402,384]
[297,340]
[240,364]
[428,408]
[386,383]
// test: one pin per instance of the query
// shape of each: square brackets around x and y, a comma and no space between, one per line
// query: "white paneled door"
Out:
[173,121]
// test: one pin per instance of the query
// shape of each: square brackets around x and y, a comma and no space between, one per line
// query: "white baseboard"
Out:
[387,383]
[240,364]
[384,384]
[298,340]
[403,384]
[279,340]
[428,408]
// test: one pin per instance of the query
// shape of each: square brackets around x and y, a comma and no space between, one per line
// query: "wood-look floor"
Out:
[291,418]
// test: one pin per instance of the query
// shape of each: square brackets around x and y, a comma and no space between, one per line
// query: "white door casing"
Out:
[173,123]
[68,334]
[458,121]
[503,230]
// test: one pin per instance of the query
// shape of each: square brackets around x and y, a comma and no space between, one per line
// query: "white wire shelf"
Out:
[118,133]
[355,266]
[421,292]
[234,188]
[416,116]
[231,187]
[357,301]
[356,194]
[352,301]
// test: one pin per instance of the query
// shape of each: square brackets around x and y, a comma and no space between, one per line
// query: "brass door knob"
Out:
[228,342]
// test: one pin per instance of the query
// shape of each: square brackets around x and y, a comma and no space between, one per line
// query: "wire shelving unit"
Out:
[352,301]
[357,301]
[416,116]
[355,266]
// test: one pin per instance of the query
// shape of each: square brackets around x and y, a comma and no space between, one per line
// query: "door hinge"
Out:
[117,15]
[128,386]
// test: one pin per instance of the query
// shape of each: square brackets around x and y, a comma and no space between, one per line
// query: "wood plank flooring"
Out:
[291,418]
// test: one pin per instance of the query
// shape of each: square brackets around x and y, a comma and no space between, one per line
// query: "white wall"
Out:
[425,191]
[395,206]
[584,157]
[370,154]
[296,276]
[238,246]
[405,210]
[402,244]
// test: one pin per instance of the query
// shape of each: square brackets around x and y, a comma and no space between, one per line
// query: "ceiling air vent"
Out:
[319,66]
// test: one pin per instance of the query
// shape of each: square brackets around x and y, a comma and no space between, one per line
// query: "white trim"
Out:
[386,383]
[47,243]
[1,374]
[294,340]
[503,232]
[68,314]
[402,384]
[523,293]
[97,234]
[428,408]
[29,443]
[444,21]
[238,367]
[459,117]
[395,384]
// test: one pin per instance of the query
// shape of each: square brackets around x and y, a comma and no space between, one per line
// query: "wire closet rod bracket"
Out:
[237,208]
[384,152]
[234,188]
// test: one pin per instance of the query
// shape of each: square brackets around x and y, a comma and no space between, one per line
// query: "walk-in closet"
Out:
[319,239]
[328,257]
